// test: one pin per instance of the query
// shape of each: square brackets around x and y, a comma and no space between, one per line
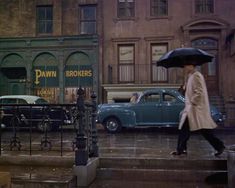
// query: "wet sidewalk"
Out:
[141,158]
[158,143]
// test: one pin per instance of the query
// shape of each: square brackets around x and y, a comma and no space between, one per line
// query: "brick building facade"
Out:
[118,40]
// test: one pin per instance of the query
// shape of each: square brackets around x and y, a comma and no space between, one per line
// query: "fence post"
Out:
[94,137]
[81,152]
[85,169]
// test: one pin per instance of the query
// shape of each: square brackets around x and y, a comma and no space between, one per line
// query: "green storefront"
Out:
[51,67]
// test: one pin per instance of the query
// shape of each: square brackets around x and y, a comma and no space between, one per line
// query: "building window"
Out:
[44,19]
[88,19]
[126,63]
[204,6]
[159,74]
[126,8]
[159,8]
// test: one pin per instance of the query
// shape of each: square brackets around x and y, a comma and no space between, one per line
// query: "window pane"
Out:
[159,7]
[204,6]
[126,54]
[49,15]
[44,19]
[88,27]
[126,73]
[88,13]
[88,19]
[126,63]
[49,27]
[205,42]
[41,14]
[126,8]
[159,74]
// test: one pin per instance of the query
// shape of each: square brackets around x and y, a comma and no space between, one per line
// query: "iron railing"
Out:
[22,132]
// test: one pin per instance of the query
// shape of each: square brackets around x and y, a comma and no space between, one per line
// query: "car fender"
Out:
[127,118]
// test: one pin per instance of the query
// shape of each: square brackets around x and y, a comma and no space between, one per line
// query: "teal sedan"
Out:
[156,107]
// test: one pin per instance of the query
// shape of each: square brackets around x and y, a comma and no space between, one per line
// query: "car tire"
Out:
[112,125]
[42,127]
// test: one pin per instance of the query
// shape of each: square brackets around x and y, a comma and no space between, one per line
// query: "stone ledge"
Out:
[5,179]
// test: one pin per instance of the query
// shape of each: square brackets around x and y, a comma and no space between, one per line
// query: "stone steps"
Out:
[178,172]
[39,171]
[149,184]
[33,181]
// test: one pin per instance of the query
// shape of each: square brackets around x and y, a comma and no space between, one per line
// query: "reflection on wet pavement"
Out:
[157,143]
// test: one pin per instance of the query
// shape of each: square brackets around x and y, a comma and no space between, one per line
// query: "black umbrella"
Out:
[182,56]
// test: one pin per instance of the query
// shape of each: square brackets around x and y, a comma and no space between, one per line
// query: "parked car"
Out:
[156,107]
[22,115]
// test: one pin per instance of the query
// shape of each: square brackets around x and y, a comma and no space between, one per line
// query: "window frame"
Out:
[132,65]
[153,63]
[204,4]
[158,7]
[130,8]
[44,22]
[87,21]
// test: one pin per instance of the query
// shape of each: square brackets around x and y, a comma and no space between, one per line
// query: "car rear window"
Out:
[22,101]
[41,101]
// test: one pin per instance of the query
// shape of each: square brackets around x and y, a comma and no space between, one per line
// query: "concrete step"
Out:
[40,177]
[39,171]
[161,172]
[36,181]
[174,163]
[161,175]
[152,184]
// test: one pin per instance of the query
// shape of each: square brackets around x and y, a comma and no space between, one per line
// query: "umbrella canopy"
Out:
[183,56]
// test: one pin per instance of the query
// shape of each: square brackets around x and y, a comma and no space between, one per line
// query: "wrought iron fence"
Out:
[21,122]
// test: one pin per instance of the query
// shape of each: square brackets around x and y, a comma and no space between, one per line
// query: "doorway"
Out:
[210,69]
[14,80]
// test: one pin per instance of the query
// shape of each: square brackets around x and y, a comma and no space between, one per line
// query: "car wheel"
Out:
[43,126]
[112,125]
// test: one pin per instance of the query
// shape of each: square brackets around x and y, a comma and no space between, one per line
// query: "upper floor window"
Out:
[44,19]
[159,8]
[126,63]
[126,8]
[204,6]
[88,19]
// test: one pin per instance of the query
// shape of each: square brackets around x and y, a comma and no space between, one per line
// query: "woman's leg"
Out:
[183,137]
[213,140]
[184,134]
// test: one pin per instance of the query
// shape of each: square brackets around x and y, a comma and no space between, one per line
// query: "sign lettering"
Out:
[43,74]
[78,73]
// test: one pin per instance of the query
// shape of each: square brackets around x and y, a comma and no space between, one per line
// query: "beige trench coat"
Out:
[197,107]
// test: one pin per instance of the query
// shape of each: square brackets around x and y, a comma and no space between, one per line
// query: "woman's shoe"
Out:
[179,153]
[219,152]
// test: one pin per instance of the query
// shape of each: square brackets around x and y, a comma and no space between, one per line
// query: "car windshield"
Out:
[41,101]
